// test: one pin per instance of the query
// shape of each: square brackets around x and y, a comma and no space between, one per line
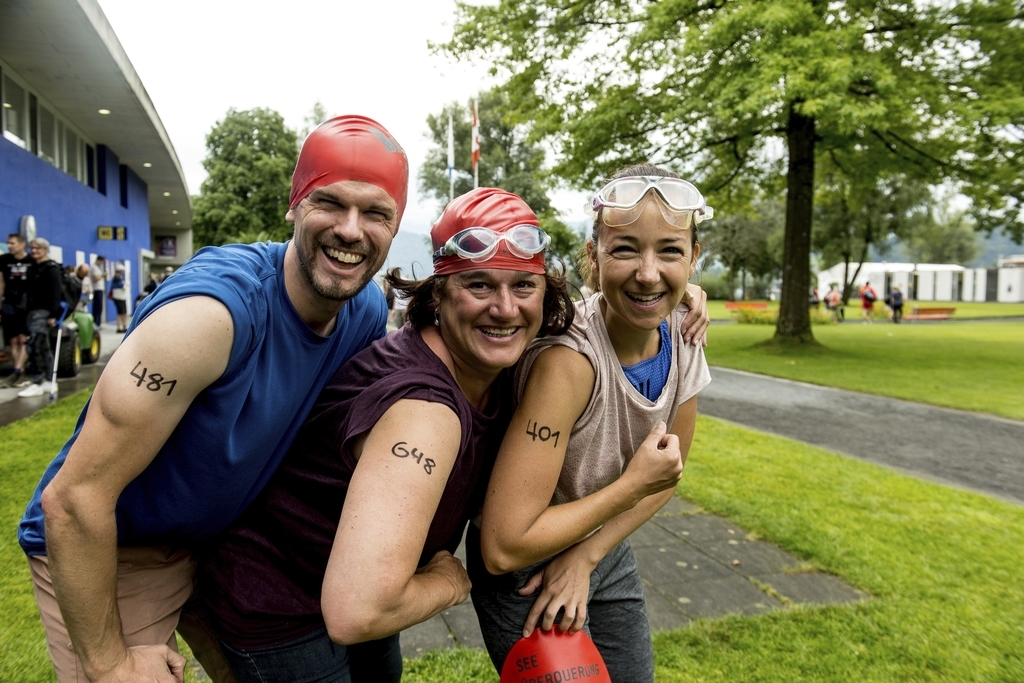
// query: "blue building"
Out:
[84,159]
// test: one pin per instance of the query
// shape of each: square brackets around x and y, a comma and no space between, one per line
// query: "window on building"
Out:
[15,104]
[124,185]
[28,122]
[72,154]
[47,136]
[33,124]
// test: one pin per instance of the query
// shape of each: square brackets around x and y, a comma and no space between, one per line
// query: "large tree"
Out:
[250,156]
[744,93]
[508,159]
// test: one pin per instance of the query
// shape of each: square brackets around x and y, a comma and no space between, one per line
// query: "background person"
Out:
[868,297]
[119,295]
[14,266]
[98,273]
[834,303]
[82,273]
[577,475]
[198,405]
[896,304]
[43,287]
[397,448]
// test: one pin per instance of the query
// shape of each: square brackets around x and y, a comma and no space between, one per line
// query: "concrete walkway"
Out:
[693,565]
[13,408]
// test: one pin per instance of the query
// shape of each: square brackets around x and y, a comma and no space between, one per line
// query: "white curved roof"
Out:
[68,53]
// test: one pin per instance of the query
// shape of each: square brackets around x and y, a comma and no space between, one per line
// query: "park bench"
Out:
[748,305]
[931,313]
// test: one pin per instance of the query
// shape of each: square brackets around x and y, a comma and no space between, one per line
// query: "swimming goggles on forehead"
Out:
[479,244]
[622,201]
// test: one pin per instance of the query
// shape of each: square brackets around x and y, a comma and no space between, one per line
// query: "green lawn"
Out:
[943,568]
[28,445]
[964,309]
[969,365]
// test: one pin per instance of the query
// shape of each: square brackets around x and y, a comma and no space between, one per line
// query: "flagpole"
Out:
[476,147]
[451,160]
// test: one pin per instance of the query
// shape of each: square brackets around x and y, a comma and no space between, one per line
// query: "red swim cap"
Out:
[351,148]
[553,656]
[484,207]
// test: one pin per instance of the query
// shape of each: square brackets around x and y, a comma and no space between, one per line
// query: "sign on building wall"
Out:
[167,245]
[112,232]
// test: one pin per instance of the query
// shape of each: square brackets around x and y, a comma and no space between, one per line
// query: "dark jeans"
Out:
[98,302]
[39,352]
[315,658]
[616,612]
[897,313]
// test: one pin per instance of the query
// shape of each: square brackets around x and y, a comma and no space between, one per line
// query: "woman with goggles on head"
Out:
[597,444]
[352,539]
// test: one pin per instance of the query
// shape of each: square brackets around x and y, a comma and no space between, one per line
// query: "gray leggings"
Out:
[616,615]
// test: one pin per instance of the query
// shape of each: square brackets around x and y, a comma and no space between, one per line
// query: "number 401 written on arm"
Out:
[155,381]
[543,433]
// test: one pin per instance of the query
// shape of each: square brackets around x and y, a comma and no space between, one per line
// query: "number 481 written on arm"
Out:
[154,382]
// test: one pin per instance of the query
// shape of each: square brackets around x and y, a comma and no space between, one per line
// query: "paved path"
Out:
[693,565]
[13,408]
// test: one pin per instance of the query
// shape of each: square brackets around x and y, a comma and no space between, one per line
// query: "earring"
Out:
[437,319]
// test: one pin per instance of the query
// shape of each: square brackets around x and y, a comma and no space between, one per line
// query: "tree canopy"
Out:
[508,160]
[250,156]
[749,94]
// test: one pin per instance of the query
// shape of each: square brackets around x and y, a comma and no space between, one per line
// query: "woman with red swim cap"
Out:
[596,447]
[352,539]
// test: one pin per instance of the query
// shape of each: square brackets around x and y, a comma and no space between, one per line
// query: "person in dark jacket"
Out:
[43,306]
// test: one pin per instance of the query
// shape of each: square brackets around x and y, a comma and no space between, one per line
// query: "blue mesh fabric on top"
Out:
[649,376]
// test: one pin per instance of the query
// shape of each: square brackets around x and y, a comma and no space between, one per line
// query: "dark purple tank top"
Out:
[262,577]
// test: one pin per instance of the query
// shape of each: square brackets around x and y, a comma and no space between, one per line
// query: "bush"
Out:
[714,284]
[753,316]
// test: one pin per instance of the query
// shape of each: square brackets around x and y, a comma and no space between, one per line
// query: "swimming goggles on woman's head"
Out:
[479,244]
[622,201]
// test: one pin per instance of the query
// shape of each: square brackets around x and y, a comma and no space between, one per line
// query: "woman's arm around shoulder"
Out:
[372,587]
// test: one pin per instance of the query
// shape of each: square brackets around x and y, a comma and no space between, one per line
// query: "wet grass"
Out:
[968,365]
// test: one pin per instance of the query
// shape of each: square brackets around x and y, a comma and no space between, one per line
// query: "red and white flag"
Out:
[476,146]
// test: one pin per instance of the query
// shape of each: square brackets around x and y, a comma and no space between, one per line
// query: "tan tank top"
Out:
[618,417]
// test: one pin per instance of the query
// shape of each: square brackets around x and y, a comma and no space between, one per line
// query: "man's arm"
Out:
[372,587]
[188,343]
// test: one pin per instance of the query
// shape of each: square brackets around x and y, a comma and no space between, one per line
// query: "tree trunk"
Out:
[794,318]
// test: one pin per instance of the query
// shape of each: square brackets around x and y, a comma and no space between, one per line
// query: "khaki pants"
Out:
[153,587]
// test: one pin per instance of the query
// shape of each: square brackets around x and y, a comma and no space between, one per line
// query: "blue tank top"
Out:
[237,430]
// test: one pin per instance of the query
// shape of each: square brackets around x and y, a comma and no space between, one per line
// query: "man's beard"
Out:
[333,291]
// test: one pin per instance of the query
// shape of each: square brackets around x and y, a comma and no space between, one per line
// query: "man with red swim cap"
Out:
[197,407]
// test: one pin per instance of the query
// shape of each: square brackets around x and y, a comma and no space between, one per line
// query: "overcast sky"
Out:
[198,58]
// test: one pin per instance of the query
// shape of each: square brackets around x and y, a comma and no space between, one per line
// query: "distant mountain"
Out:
[410,251]
[994,247]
